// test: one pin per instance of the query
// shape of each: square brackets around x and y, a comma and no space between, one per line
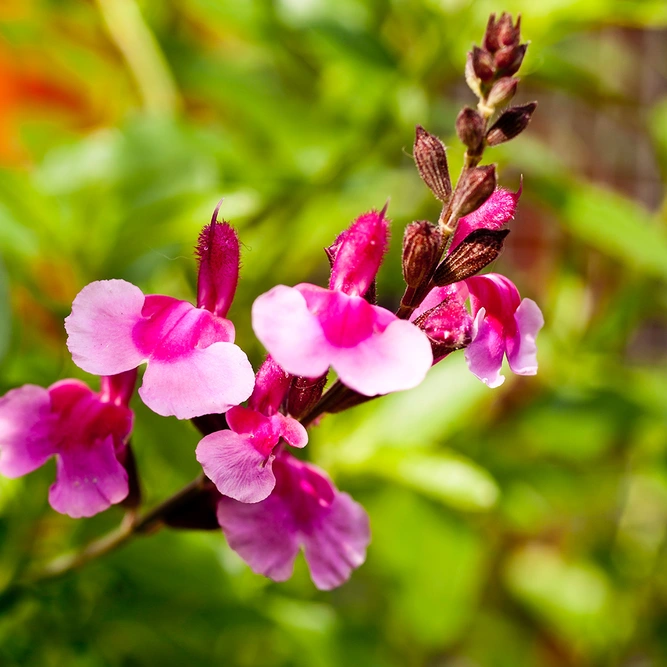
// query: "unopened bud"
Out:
[477,186]
[511,122]
[471,78]
[509,59]
[470,128]
[421,251]
[431,159]
[506,33]
[474,253]
[490,41]
[303,394]
[482,64]
[502,91]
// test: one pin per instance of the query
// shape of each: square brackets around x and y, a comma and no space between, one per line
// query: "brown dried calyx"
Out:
[510,123]
[431,160]
[476,186]
[421,252]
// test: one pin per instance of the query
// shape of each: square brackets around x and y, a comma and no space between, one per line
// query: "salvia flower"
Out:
[86,431]
[308,328]
[193,368]
[239,461]
[304,510]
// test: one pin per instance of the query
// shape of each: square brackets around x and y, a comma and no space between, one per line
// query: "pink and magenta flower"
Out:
[239,461]
[87,433]
[308,328]
[193,367]
[305,510]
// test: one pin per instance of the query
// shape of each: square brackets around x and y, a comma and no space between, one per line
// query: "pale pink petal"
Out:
[522,350]
[338,544]
[396,359]
[263,534]
[237,469]
[25,428]
[292,431]
[89,479]
[495,212]
[484,355]
[205,382]
[290,332]
[100,327]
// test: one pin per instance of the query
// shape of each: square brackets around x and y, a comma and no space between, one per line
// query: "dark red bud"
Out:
[482,64]
[303,394]
[508,34]
[508,60]
[510,123]
[421,251]
[474,253]
[490,41]
[431,160]
[470,127]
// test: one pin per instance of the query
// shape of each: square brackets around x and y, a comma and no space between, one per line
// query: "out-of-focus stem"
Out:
[143,55]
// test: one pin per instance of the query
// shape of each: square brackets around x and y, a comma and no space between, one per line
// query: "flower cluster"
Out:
[268,501]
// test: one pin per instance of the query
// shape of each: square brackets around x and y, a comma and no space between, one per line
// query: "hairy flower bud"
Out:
[502,91]
[477,186]
[431,159]
[508,34]
[511,123]
[303,394]
[470,128]
[421,251]
[482,64]
[474,253]
[509,59]
[471,78]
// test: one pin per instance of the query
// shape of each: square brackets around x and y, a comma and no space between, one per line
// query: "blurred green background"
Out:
[517,526]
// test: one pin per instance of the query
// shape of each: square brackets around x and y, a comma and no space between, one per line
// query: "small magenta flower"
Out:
[503,325]
[87,433]
[194,368]
[308,328]
[304,510]
[239,461]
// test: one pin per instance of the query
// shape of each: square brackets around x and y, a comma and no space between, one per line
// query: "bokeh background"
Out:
[518,526]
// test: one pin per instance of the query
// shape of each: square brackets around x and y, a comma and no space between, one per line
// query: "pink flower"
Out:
[304,510]
[494,213]
[194,368]
[308,328]
[239,461]
[503,325]
[85,431]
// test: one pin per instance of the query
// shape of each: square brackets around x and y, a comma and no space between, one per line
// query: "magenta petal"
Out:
[89,479]
[292,431]
[521,349]
[25,424]
[263,534]
[396,359]
[204,382]
[495,212]
[484,355]
[236,468]
[338,544]
[100,327]
[292,335]
[271,386]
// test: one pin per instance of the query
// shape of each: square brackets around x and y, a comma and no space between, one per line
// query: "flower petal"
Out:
[89,479]
[100,327]
[263,534]
[338,545]
[25,421]
[290,332]
[204,382]
[522,350]
[236,468]
[397,358]
[484,355]
[292,431]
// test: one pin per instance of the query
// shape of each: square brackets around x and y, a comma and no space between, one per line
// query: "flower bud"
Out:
[431,159]
[482,64]
[490,42]
[474,253]
[506,33]
[477,186]
[471,78]
[509,59]
[511,122]
[421,251]
[502,91]
[470,128]
[303,394]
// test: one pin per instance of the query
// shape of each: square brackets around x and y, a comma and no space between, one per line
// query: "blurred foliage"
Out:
[521,526]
